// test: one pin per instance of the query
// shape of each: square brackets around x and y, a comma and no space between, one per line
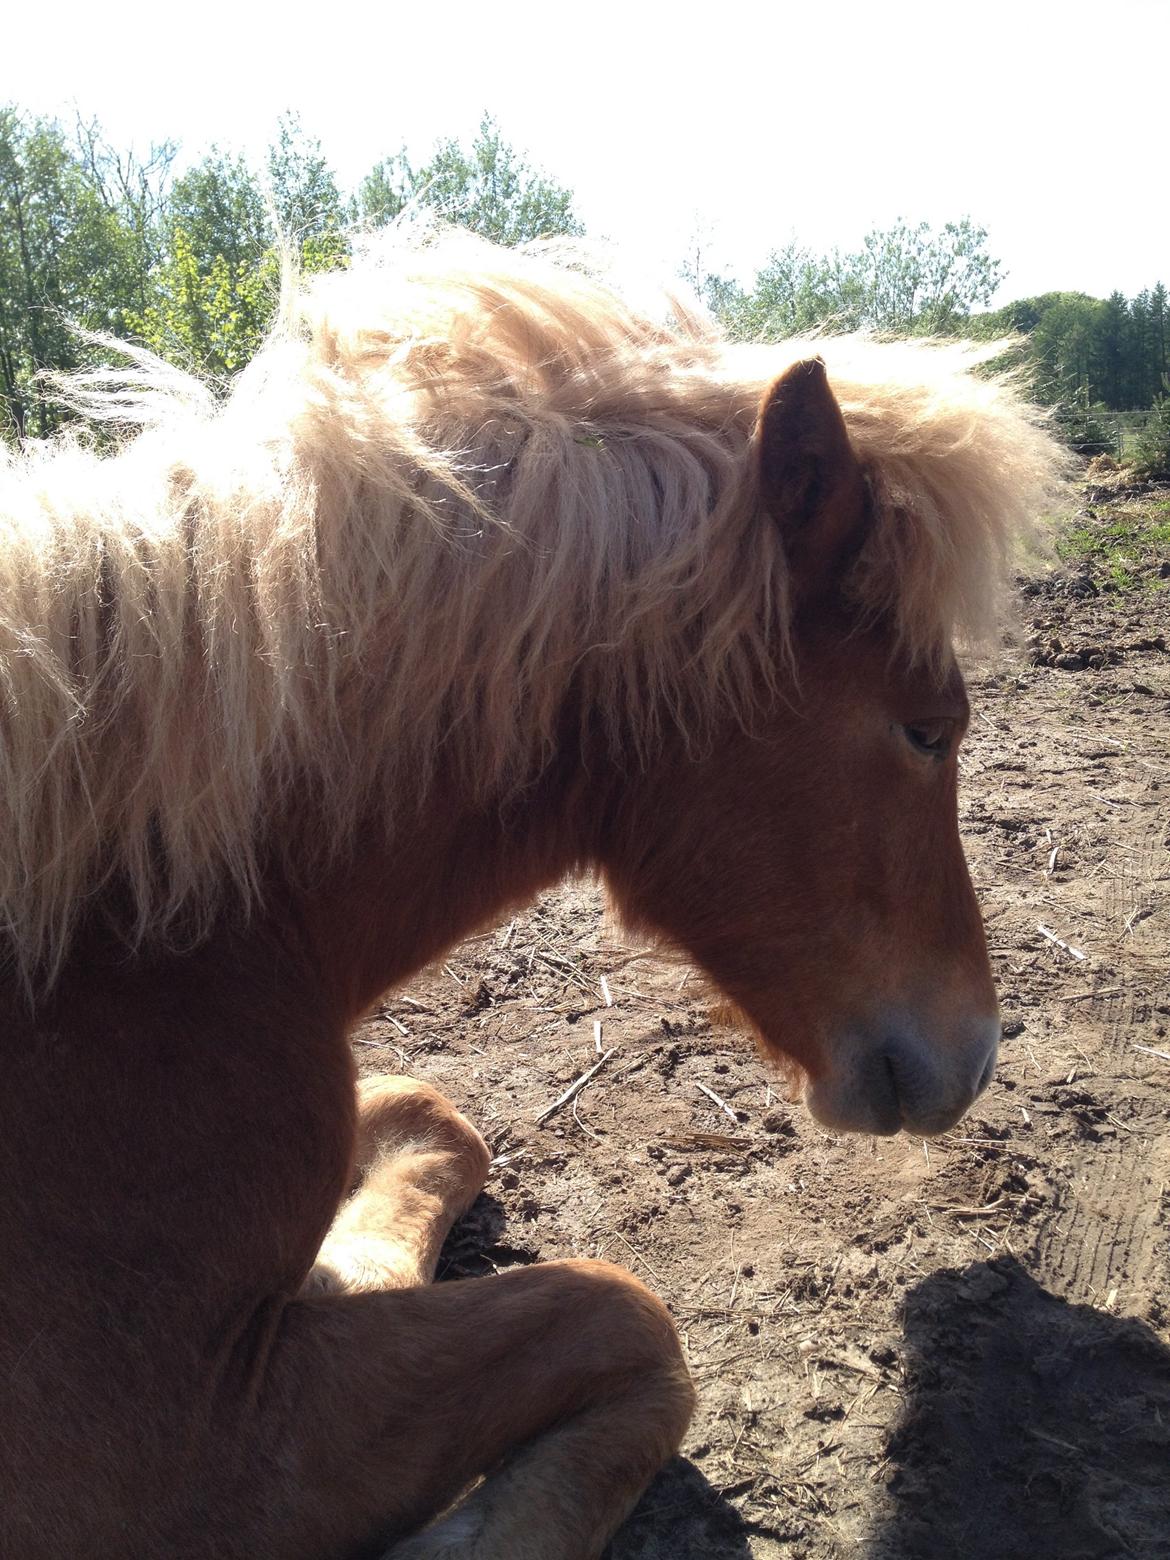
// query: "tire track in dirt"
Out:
[1102,1240]
[1097,1245]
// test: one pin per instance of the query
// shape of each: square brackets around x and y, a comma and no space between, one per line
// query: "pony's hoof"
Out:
[455,1537]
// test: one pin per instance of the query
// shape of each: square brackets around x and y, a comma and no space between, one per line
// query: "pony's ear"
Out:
[811,482]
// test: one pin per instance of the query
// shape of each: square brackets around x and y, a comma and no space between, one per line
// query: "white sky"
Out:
[1045,120]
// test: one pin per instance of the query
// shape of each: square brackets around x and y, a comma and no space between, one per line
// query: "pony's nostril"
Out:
[987,1074]
[890,1069]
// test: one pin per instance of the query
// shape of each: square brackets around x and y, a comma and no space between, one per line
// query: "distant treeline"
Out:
[1083,352]
[189,265]
[1112,352]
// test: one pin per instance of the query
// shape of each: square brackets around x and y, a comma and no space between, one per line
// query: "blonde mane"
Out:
[456,483]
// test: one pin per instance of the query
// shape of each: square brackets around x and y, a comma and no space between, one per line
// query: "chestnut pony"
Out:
[478,576]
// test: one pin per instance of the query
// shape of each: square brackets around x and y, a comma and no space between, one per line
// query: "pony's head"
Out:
[465,505]
[812,864]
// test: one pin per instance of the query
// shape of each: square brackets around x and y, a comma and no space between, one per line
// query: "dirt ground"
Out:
[902,1349]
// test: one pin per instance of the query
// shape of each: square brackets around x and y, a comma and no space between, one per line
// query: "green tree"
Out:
[209,314]
[219,205]
[1061,334]
[67,258]
[1148,314]
[1159,334]
[135,189]
[903,280]
[303,186]
[795,290]
[1083,351]
[910,279]
[489,187]
[1112,345]
[1151,452]
[385,190]
[214,289]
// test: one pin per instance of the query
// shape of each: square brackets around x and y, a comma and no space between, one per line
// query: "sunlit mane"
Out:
[458,486]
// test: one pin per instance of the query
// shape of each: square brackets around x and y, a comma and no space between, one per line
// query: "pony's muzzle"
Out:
[902,1082]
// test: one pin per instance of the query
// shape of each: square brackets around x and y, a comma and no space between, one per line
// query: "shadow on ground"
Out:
[1033,1429]
[682,1517]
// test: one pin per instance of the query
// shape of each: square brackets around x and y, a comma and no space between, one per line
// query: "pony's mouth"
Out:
[903,1084]
[887,1078]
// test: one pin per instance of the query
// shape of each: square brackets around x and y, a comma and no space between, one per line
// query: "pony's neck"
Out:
[394,905]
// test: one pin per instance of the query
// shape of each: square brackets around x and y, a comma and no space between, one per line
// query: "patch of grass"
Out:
[1125,544]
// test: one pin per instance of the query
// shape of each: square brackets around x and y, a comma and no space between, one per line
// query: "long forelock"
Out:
[456,485]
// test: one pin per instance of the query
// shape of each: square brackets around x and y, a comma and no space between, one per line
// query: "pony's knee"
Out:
[402,1115]
[627,1328]
[390,1096]
[376,1086]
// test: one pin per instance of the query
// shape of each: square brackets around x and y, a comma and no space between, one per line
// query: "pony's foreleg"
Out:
[564,1494]
[419,1166]
[562,1386]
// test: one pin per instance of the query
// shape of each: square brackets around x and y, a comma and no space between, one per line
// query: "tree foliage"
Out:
[190,264]
[488,187]
[1151,453]
[215,287]
[207,311]
[218,205]
[136,189]
[303,186]
[1092,357]
[67,257]
[1109,352]
[915,280]
[903,280]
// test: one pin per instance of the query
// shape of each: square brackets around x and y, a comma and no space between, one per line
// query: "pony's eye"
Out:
[931,738]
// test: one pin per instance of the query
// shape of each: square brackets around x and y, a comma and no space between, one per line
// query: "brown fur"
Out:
[218,1337]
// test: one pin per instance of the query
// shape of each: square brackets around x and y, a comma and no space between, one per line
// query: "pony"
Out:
[479,575]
